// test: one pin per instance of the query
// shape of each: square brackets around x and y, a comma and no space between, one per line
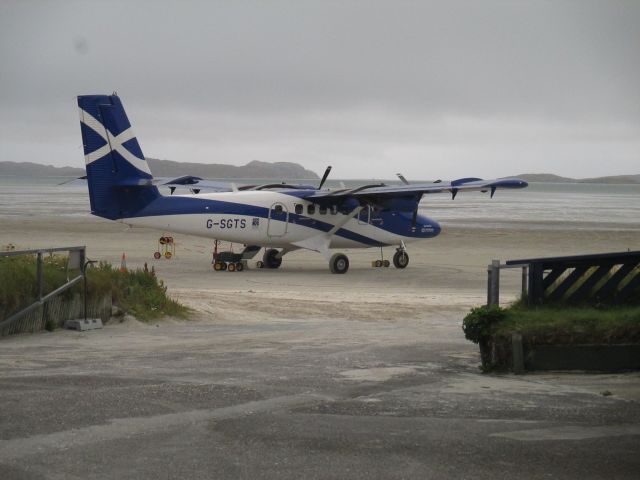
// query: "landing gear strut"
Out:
[382,262]
[339,263]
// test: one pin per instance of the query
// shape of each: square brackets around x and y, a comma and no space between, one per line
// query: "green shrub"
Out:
[478,325]
[553,324]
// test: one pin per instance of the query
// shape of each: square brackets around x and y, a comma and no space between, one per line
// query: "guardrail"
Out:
[77,257]
[607,278]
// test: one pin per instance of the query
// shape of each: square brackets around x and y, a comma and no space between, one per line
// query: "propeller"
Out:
[324,177]
[402,179]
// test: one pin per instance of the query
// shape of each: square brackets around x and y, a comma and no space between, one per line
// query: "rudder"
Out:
[120,182]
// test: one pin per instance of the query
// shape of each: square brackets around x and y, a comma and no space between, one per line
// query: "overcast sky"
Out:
[431,89]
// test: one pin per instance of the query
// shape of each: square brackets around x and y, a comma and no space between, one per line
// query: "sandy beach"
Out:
[298,373]
[448,271]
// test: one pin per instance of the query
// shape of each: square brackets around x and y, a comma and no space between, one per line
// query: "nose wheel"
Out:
[401,258]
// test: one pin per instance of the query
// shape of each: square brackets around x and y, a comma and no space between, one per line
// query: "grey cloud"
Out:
[469,84]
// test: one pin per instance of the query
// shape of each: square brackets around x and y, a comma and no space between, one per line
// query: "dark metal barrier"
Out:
[607,278]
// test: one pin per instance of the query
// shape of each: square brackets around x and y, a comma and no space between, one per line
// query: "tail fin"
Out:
[120,182]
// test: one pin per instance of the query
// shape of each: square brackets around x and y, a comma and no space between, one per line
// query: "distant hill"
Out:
[254,169]
[168,168]
[550,178]
[257,170]
[30,169]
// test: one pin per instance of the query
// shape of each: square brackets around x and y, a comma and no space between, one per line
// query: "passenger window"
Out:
[311,209]
[299,209]
[322,210]
[334,209]
[277,208]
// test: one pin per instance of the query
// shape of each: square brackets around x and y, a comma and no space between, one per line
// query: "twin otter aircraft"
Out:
[279,217]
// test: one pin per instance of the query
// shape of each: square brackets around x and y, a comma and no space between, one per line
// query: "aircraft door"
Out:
[278,221]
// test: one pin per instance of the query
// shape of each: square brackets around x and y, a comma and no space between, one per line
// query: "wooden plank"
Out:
[592,259]
[552,277]
[608,291]
[583,292]
[629,289]
[567,283]
[536,292]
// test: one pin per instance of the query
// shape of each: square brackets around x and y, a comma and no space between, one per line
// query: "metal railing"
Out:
[77,257]
[493,280]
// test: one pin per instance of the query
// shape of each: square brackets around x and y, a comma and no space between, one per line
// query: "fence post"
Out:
[535,286]
[39,274]
[493,291]
[524,283]
[489,296]
[517,353]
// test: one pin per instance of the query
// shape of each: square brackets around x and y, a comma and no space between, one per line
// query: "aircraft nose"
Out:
[436,227]
[430,228]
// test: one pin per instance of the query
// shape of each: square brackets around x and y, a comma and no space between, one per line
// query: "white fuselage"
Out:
[283,220]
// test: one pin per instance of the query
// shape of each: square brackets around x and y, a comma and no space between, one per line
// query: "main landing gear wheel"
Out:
[339,263]
[270,259]
[401,259]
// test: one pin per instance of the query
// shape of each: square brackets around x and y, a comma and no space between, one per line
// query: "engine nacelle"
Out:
[401,204]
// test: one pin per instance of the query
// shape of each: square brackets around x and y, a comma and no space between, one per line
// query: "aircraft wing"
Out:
[418,189]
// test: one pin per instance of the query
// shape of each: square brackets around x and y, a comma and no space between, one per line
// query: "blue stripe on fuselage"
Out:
[397,223]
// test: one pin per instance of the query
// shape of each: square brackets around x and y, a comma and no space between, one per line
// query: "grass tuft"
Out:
[136,292]
[554,324]
[572,324]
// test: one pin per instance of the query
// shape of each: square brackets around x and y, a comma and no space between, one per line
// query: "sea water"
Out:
[540,206]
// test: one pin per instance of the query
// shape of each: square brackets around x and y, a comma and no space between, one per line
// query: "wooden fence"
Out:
[50,310]
[55,312]
[608,278]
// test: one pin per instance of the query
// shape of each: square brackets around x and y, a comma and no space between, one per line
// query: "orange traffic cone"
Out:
[123,263]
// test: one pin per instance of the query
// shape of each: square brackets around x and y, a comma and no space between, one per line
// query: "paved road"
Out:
[300,398]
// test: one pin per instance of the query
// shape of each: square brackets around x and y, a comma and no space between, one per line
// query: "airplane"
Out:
[278,217]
